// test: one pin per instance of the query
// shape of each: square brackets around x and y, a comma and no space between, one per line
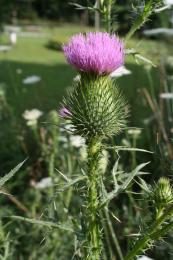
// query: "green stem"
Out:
[93,228]
[108,16]
[134,164]
[113,234]
[144,241]
[107,238]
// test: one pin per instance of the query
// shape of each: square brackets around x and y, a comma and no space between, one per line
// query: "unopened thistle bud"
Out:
[162,194]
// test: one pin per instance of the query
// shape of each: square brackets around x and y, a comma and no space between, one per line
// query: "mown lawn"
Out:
[31,57]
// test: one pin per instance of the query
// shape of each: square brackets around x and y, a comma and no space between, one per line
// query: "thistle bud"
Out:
[162,194]
[97,107]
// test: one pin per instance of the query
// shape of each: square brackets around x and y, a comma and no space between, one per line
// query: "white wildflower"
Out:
[134,132]
[31,80]
[143,257]
[44,183]
[31,116]
[166,95]
[120,72]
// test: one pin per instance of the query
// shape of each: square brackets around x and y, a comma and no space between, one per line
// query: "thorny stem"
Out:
[93,229]
[150,235]
[108,16]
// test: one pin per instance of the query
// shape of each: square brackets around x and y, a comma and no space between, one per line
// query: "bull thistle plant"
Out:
[96,109]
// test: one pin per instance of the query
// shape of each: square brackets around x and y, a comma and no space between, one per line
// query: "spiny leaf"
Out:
[71,183]
[123,187]
[144,59]
[143,16]
[9,175]
[132,175]
[48,224]
[143,185]
[124,148]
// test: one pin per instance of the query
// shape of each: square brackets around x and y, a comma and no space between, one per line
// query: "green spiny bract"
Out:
[97,107]
[162,195]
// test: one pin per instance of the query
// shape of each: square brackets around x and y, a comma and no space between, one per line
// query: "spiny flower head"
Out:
[97,107]
[162,194]
[99,53]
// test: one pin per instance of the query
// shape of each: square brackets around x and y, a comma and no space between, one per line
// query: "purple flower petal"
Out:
[64,112]
[100,53]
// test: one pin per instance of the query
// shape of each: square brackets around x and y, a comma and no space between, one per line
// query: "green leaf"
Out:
[9,175]
[143,16]
[132,175]
[44,223]
[124,148]
[123,187]
[144,186]
[114,173]
[144,59]
[71,183]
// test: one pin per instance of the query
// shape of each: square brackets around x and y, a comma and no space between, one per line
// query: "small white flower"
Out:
[120,72]
[5,48]
[135,132]
[143,257]
[32,115]
[77,141]
[44,183]
[31,80]
[166,95]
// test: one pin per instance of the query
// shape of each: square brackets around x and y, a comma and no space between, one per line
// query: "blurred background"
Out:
[34,77]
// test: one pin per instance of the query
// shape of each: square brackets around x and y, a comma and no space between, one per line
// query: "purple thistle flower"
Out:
[98,52]
[64,112]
